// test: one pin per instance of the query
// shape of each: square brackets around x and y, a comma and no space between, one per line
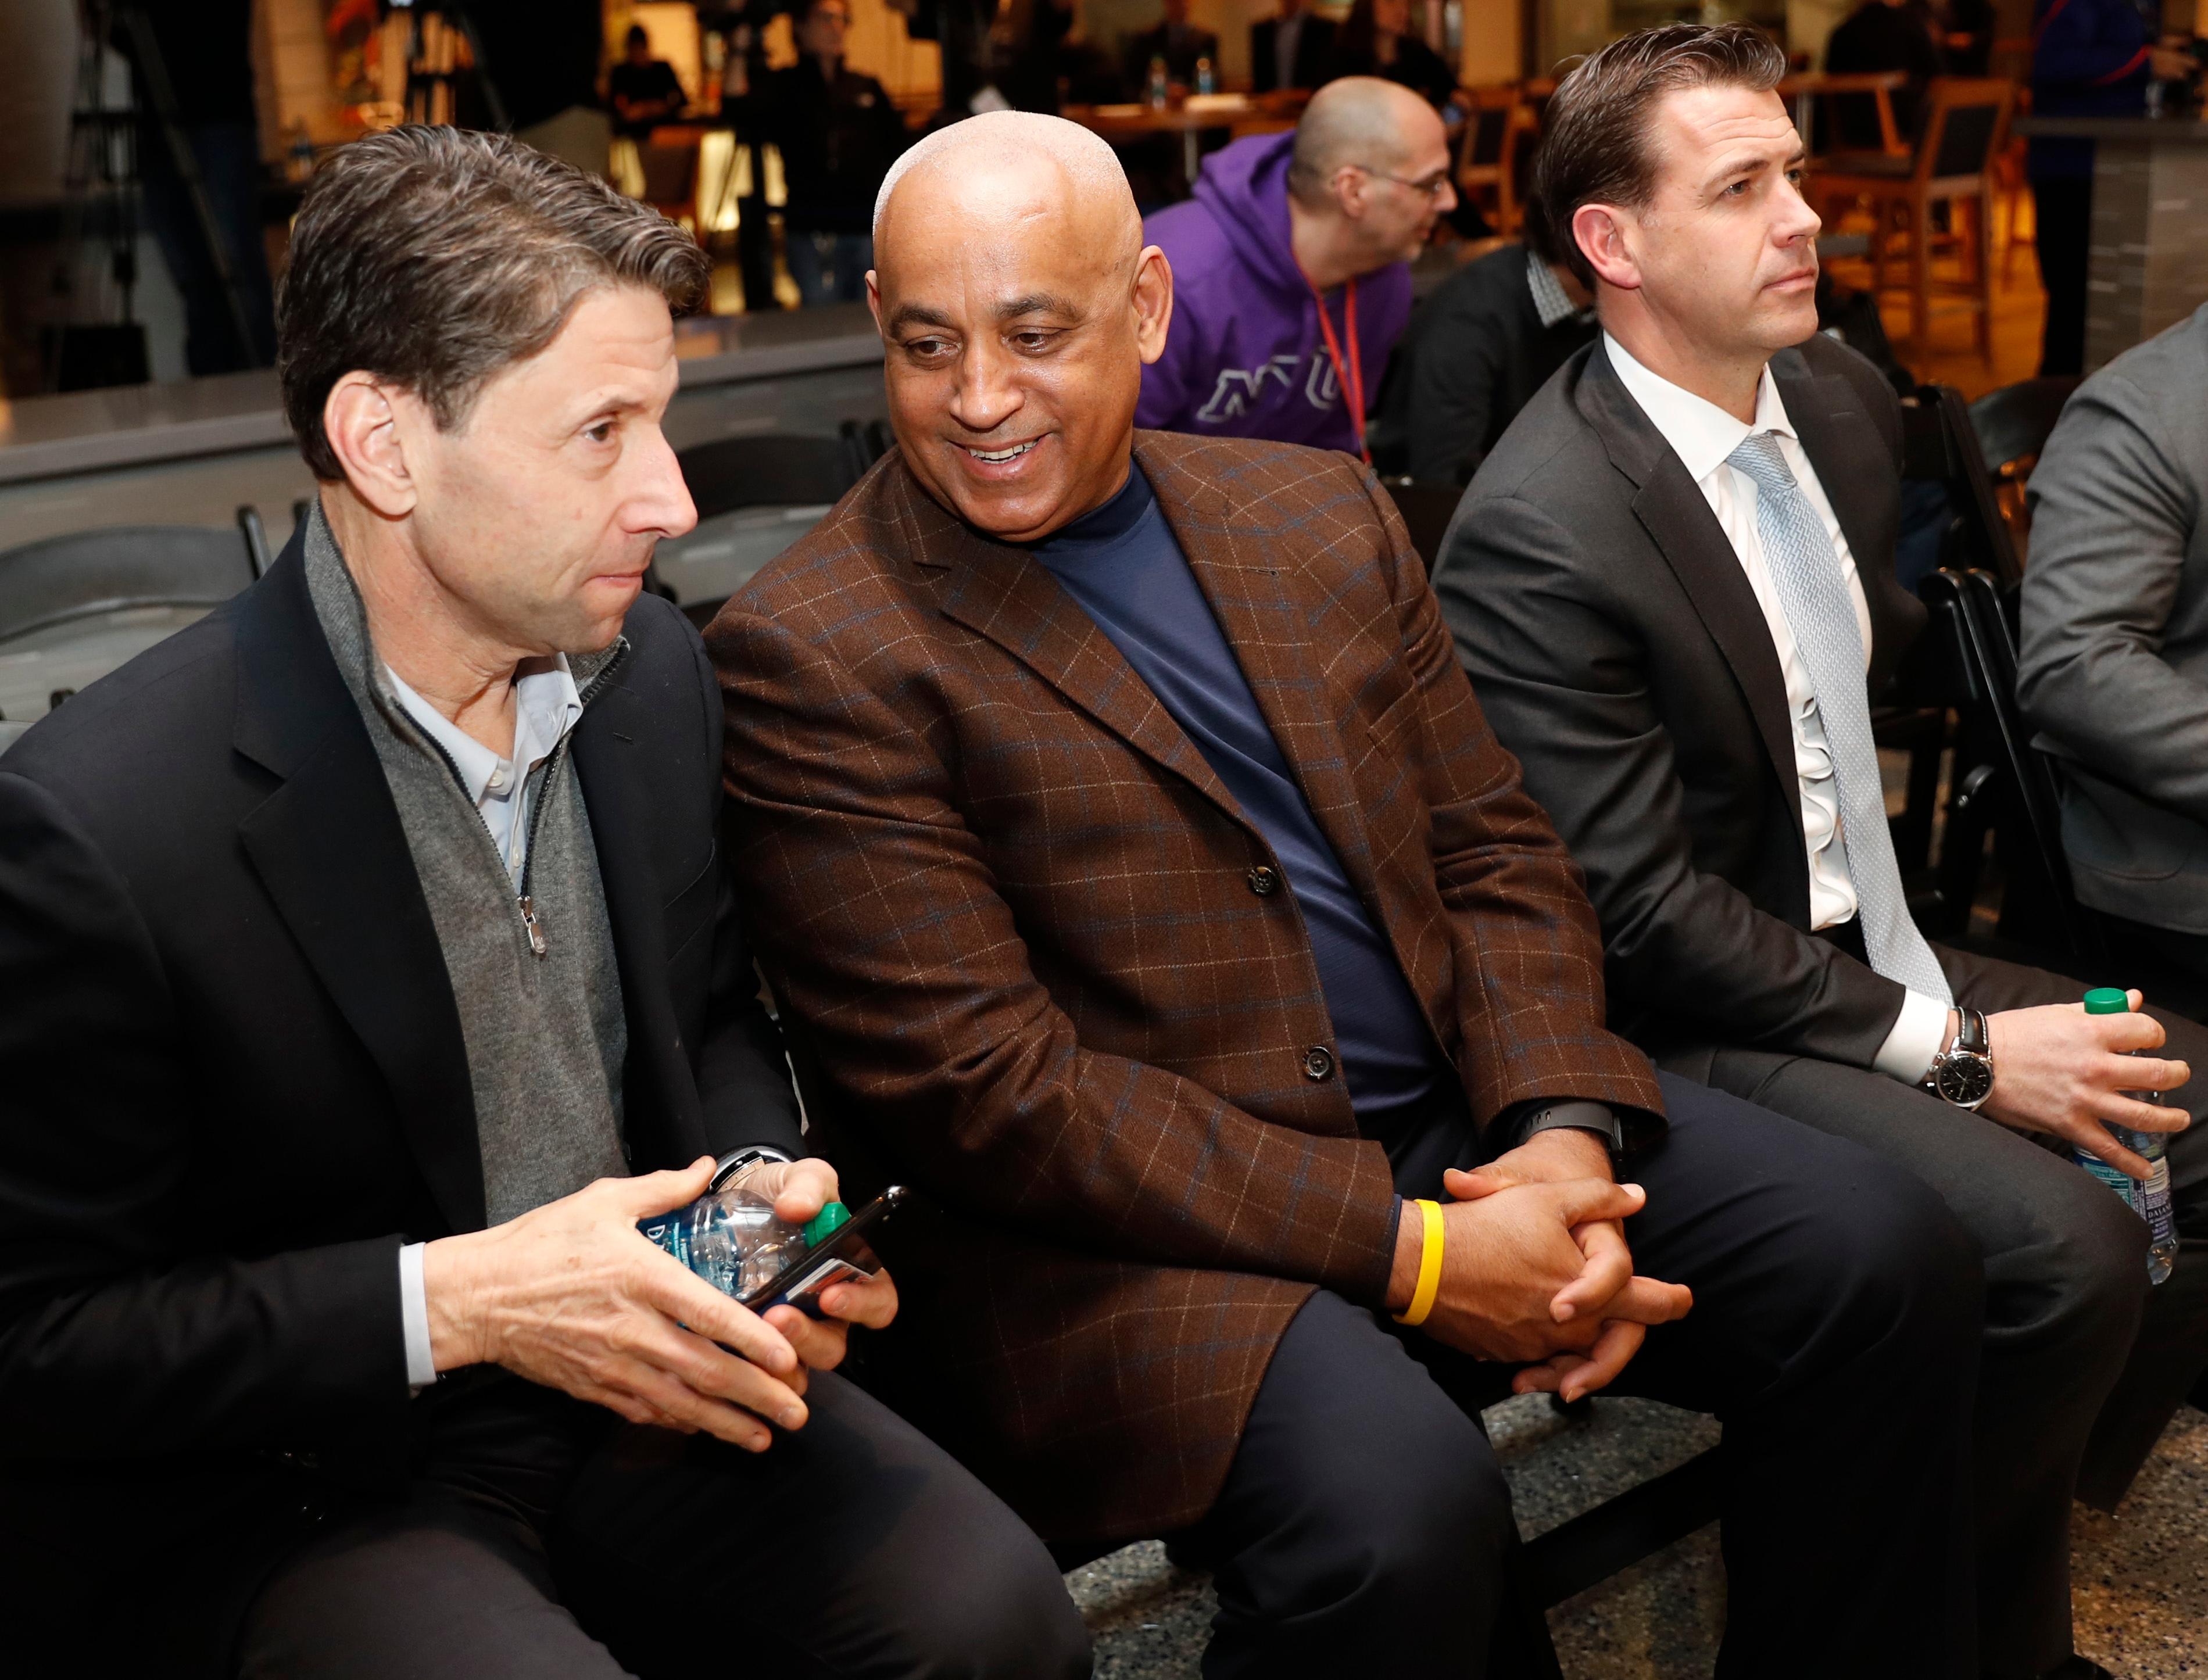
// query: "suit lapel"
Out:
[998,590]
[1671,508]
[619,807]
[1858,472]
[328,847]
[1266,629]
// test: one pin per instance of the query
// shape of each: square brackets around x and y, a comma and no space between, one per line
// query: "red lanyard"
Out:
[1352,383]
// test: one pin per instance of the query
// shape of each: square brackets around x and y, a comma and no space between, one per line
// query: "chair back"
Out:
[89,572]
[2013,425]
[778,470]
[1938,443]
[1966,125]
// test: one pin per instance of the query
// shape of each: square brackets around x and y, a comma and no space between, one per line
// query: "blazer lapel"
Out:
[619,807]
[1858,472]
[1672,509]
[1266,629]
[996,591]
[328,847]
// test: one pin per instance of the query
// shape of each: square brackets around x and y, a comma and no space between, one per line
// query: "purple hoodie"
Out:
[1244,357]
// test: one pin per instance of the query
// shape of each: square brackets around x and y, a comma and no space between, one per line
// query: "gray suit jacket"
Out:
[1617,649]
[2114,668]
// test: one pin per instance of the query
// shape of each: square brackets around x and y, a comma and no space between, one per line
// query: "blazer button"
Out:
[1264,881]
[1318,1064]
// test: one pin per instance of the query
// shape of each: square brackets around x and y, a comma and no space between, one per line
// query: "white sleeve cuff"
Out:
[414,1318]
[1917,1033]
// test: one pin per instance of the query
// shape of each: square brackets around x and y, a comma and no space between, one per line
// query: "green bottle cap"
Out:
[2106,1000]
[833,1217]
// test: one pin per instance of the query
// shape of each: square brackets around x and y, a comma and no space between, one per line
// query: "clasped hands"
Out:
[573,1296]
[1535,1269]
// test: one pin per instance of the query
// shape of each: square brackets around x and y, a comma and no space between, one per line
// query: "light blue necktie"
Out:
[1813,592]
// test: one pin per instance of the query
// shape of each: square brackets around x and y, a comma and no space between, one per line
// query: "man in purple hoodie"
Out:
[1291,270]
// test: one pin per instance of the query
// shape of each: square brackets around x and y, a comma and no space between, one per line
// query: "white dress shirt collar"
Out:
[546,706]
[1702,435]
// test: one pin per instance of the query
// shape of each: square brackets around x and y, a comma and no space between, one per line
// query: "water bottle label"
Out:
[2153,1204]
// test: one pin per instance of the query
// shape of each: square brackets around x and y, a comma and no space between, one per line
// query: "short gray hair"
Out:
[434,257]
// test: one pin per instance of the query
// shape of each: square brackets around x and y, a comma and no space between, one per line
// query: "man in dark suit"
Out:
[1142,886]
[371,973]
[1476,350]
[1668,583]
[1295,48]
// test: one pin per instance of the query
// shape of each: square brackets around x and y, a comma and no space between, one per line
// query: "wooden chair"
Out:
[1966,125]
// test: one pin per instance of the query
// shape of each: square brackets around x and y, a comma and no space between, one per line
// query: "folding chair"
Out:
[790,480]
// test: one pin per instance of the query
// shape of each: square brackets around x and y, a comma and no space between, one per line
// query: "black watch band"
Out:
[1579,1115]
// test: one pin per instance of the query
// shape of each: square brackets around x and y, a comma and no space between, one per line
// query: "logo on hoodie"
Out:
[1239,389]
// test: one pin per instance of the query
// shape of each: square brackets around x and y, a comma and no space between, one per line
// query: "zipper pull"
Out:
[529,923]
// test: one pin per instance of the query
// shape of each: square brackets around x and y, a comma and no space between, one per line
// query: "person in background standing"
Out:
[838,132]
[1293,50]
[643,91]
[2089,58]
[1377,39]
[1292,270]
[207,53]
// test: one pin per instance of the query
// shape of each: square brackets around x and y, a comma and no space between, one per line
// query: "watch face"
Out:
[1963,1079]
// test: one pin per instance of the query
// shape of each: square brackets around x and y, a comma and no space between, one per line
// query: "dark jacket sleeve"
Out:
[117,1337]
[1461,361]
[1560,673]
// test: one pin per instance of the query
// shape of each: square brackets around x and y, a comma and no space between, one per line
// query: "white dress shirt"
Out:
[1704,436]
[546,706]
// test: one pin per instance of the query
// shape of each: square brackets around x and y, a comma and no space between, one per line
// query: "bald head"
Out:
[997,162]
[1363,122]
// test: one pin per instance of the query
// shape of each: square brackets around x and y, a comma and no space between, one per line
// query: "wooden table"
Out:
[1196,114]
[1806,89]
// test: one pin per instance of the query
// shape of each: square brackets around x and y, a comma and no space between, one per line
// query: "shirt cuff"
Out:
[1915,1040]
[414,1319]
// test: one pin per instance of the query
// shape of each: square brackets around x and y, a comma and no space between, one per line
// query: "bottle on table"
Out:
[2149,1200]
[732,1239]
[1160,84]
[1207,81]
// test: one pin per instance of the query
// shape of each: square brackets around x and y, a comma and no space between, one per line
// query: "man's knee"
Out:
[2082,1276]
[992,1607]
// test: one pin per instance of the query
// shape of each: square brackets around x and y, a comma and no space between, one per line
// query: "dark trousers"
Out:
[853,1547]
[2066,1285]
[1363,1523]
[2063,210]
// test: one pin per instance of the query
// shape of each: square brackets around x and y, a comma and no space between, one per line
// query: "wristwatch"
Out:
[1582,1116]
[1963,1073]
[737,1162]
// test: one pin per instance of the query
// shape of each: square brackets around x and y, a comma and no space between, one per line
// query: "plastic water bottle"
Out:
[2149,1200]
[1160,84]
[1207,82]
[732,1239]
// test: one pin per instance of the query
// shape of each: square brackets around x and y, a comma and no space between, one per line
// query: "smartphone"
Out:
[845,1255]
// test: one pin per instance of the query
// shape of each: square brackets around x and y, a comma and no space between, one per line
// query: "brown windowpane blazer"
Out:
[1007,908]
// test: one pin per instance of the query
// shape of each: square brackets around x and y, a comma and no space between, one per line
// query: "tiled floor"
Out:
[2141,1575]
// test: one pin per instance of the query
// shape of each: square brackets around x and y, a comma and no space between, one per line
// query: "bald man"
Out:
[1291,272]
[1141,885]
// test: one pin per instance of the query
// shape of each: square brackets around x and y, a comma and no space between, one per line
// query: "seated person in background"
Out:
[1477,349]
[1882,35]
[1379,38]
[337,1087]
[2113,667]
[1293,48]
[838,132]
[1668,583]
[1174,39]
[1292,273]
[1141,885]
[643,91]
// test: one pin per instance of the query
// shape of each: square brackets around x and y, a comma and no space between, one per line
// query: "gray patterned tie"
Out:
[1813,591]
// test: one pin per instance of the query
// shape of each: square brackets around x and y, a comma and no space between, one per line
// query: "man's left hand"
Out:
[1553,1157]
[801,1189]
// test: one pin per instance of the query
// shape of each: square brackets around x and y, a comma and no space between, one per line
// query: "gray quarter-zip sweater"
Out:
[544,1029]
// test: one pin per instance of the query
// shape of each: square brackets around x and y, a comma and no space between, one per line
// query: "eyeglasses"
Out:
[1431,185]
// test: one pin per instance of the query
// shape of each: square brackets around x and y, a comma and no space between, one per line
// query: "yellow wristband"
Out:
[1430,1267]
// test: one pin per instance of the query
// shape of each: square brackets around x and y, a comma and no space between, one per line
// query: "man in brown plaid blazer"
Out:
[1024,742]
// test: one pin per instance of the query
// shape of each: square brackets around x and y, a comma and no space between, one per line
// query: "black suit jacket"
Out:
[1474,354]
[234,1082]
[1617,649]
[1314,53]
